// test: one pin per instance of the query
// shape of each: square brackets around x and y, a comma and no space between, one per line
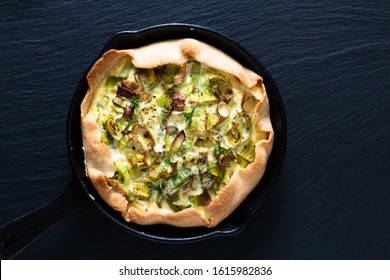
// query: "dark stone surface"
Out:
[331,62]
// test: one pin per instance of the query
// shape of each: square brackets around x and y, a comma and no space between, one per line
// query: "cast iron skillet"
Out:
[17,234]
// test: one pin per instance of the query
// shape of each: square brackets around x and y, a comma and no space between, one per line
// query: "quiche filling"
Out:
[176,133]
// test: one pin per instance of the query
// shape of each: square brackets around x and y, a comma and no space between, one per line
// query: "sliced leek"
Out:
[124,172]
[112,81]
[103,102]
[140,190]
[248,151]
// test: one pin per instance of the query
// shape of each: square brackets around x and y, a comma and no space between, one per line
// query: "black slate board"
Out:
[330,61]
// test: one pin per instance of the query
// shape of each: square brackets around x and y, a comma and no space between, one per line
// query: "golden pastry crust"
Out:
[100,166]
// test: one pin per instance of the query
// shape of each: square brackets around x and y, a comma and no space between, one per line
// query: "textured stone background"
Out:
[331,63]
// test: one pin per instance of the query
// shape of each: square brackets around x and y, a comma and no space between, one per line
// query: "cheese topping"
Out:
[176,133]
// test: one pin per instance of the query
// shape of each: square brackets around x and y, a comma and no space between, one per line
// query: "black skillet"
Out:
[17,234]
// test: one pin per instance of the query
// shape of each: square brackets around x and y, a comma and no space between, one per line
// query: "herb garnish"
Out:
[188,116]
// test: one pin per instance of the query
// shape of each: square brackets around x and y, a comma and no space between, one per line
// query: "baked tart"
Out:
[175,132]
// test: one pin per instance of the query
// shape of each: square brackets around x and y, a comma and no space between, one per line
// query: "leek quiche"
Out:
[176,132]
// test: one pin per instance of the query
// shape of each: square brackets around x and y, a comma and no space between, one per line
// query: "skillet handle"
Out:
[19,233]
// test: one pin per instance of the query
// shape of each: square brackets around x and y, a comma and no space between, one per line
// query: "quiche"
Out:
[176,132]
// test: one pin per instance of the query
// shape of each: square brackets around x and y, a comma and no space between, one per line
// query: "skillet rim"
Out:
[165,233]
